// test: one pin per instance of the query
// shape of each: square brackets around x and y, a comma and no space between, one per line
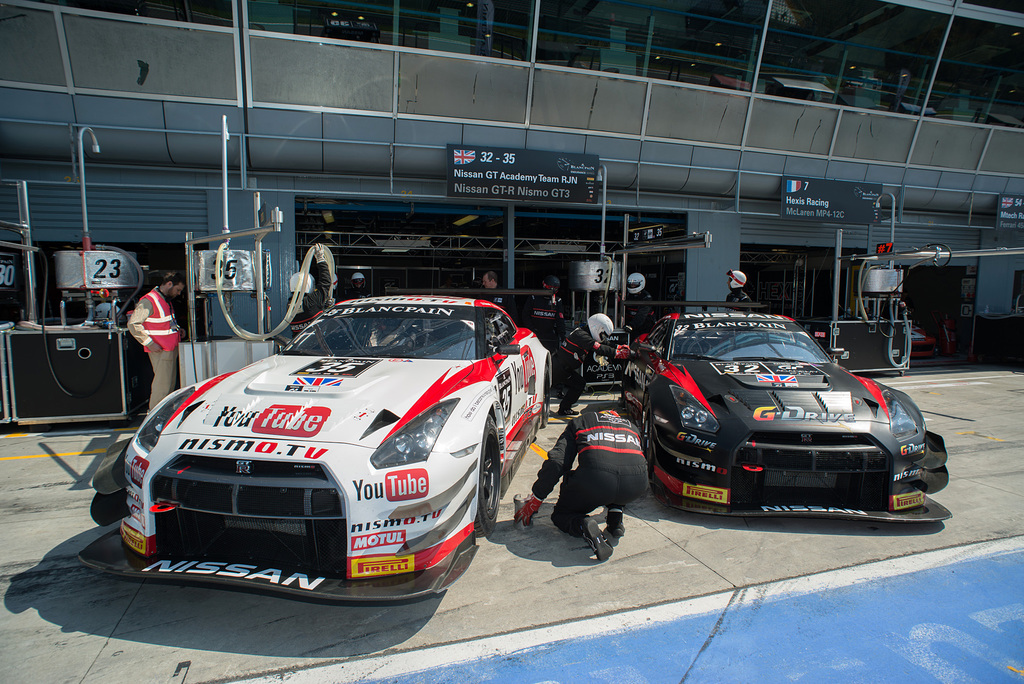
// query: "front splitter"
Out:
[929,512]
[109,554]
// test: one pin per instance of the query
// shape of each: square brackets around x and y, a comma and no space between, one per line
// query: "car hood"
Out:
[343,400]
[766,393]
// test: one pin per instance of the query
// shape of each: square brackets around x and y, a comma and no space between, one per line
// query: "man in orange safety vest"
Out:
[153,325]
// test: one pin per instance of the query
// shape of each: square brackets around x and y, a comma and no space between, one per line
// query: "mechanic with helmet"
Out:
[545,316]
[639,316]
[737,279]
[565,366]
[315,298]
[611,472]
[358,288]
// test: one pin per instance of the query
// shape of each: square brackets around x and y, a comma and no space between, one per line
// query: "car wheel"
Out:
[489,483]
[647,435]
[545,412]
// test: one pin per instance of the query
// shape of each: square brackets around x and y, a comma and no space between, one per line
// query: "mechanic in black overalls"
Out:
[737,279]
[611,472]
[639,317]
[545,316]
[314,300]
[565,365]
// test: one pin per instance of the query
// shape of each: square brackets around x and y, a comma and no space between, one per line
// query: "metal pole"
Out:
[604,203]
[191,266]
[30,271]
[86,240]
[258,257]
[224,137]
[835,290]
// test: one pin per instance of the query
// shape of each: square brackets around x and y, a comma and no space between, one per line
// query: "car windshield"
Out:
[739,344]
[390,335]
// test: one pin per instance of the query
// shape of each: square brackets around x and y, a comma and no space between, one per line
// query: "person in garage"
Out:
[639,316]
[573,351]
[357,288]
[316,287]
[489,281]
[737,280]
[545,315]
[610,470]
[152,323]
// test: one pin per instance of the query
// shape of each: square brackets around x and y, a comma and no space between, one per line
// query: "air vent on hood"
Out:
[382,419]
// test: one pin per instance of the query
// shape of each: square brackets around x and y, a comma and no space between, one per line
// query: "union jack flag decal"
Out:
[772,377]
[1006,202]
[464,156]
[316,382]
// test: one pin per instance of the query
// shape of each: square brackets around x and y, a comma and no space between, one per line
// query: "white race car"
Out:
[360,463]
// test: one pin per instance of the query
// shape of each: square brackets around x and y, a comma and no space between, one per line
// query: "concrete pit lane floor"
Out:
[685,597]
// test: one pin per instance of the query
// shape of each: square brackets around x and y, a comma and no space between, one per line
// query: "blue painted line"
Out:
[951,616]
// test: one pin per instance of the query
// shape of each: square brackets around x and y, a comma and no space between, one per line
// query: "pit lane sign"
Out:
[829,201]
[1010,214]
[510,174]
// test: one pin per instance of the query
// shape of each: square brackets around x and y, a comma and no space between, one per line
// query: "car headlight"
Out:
[157,419]
[692,413]
[901,417]
[414,442]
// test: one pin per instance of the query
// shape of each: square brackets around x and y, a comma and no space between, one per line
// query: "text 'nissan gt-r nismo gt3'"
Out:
[744,414]
[360,463]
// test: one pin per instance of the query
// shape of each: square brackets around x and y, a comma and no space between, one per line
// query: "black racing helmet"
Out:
[552,282]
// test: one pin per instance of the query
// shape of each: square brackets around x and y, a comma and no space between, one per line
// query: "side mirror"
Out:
[509,349]
[643,346]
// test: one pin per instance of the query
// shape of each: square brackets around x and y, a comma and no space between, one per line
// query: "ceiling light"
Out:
[465,219]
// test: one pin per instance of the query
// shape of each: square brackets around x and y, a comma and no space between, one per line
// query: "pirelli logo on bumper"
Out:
[378,566]
[135,540]
[716,495]
[903,501]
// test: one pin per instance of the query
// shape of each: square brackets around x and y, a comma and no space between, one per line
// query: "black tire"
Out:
[488,492]
[647,435]
[545,411]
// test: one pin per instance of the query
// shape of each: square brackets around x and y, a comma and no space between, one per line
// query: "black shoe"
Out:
[567,413]
[613,523]
[597,541]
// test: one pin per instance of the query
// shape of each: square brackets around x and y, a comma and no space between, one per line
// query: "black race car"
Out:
[744,414]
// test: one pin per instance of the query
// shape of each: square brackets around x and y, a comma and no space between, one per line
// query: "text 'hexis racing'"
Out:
[744,414]
[360,463]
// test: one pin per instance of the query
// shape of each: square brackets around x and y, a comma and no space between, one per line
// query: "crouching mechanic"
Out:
[611,472]
[573,351]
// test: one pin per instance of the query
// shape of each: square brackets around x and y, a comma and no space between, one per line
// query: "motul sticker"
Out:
[291,421]
[370,541]
[377,566]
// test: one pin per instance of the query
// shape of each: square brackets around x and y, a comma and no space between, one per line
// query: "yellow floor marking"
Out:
[539,450]
[70,453]
[978,434]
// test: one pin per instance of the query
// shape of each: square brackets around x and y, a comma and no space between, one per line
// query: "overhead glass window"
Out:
[215,12]
[696,41]
[860,53]
[981,75]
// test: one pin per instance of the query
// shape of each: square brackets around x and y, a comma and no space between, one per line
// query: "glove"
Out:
[525,512]
[629,329]
[319,255]
[622,351]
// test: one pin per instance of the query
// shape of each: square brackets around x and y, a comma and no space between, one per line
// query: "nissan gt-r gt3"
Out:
[360,463]
[744,414]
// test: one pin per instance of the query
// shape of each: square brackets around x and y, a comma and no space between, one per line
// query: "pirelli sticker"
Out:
[904,501]
[378,566]
[135,540]
[716,495]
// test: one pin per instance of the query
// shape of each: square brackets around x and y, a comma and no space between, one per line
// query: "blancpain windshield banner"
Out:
[510,174]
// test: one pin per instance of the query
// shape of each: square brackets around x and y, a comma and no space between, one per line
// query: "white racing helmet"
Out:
[600,326]
[300,280]
[737,278]
[635,283]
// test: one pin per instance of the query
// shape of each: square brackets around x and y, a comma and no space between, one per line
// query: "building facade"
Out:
[339,113]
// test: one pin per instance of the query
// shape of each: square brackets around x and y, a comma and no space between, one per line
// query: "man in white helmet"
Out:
[573,351]
[315,296]
[358,289]
[737,279]
[639,316]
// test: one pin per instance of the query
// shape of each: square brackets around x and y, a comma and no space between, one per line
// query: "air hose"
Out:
[294,306]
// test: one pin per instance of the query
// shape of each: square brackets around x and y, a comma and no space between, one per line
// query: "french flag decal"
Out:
[796,186]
